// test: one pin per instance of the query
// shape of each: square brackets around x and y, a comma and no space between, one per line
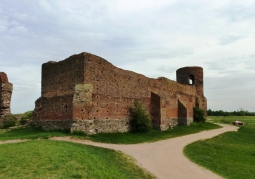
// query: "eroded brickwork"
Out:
[193,76]
[5,97]
[86,92]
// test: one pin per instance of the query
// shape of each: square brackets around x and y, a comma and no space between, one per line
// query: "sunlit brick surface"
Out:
[86,92]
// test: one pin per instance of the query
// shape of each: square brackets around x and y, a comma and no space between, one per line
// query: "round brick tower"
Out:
[191,76]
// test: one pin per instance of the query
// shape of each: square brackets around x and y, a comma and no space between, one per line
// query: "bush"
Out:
[79,132]
[141,121]
[198,115]
[24,121]
[9,121]
[26,117]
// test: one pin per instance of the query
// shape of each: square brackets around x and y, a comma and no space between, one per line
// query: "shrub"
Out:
[9,121]
[140,121]
[26,117]
[198,115]
[23,121]
[79,132]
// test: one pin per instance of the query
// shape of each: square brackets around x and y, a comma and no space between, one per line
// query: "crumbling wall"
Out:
[86,92]
[5,97]
[54,109]
[114,92]
[155,110]
[193,76]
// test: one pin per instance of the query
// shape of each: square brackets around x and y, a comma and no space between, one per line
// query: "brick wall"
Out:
[5,97]
[92,95]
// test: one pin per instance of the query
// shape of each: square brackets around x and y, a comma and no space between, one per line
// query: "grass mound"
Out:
[29,133]
[230,154]
[152,135]
[55,159]
[117,138]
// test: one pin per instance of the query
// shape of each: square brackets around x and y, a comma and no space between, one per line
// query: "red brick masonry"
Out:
[86,92]
[5,97]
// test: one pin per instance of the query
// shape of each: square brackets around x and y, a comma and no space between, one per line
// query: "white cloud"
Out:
[154,38]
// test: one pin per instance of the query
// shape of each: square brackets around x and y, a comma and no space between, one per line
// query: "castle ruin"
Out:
[5,97]
[86,92]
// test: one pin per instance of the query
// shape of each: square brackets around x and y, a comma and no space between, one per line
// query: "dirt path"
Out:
[12,141]
[165,159]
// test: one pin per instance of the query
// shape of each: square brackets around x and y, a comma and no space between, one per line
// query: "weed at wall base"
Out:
[141,121]
[198,115]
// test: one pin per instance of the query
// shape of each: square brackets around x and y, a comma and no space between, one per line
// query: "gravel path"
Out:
[165,159]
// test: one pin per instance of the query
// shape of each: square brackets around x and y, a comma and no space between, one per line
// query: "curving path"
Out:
[12,141]
[165,159]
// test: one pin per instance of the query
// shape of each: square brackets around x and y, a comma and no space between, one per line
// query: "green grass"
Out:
[28,133]
[117,138]
[151,136]
[26,115]
[56,159]
[232,154]
[249,120]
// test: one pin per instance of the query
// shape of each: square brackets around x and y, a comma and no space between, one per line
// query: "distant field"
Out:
[232,154]
[250,120]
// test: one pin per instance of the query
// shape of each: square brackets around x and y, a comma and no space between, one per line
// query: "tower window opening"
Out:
[191,79]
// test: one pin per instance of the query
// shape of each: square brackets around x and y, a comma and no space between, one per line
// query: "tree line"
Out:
[240,112]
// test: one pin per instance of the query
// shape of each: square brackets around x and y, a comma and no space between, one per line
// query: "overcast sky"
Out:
[150,37]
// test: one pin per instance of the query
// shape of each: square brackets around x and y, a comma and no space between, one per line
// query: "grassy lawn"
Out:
[56,159]
[153,135]
[232,154]
[29,133]
[249,120]
[118,138]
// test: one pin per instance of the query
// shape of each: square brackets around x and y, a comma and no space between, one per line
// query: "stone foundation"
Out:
[170,123]
[1,122]
[185,121]
[89,126]
[101,125]
[49,125]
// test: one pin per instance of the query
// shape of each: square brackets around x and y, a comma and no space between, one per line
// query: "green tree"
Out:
[209,112]
[9,121]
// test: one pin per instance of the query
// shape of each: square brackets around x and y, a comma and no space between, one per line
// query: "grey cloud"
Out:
[168,32]
[233,80]
[247,61]
[235,12]
[168,54]
[119,42]
[166,69]
[149,53]
[230,92]
[230,39]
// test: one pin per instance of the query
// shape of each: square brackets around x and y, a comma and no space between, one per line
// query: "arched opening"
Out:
[191,79]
